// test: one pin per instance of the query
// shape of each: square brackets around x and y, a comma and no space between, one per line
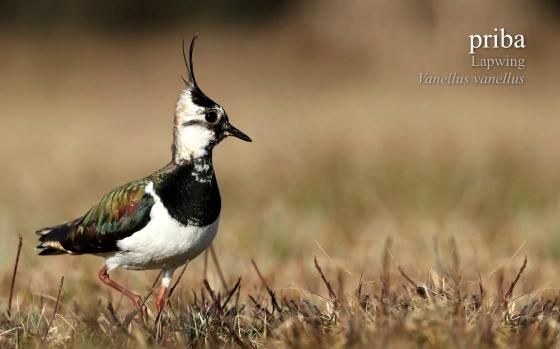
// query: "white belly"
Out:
[162,242]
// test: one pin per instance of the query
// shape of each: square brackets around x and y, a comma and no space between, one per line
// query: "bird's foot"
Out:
[139,302]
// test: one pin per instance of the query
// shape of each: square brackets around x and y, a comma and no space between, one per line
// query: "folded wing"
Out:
[119,214]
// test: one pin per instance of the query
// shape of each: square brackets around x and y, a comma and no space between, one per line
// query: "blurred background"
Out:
[348,148]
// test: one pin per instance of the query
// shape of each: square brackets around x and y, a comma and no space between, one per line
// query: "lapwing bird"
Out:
[166,219]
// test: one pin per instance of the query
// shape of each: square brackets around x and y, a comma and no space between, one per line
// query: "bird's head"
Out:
[200,123]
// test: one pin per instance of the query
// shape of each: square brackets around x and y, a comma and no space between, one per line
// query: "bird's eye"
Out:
[211,116]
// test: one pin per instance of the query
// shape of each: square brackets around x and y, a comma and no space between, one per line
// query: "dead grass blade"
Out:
[268,289]
[54,312]
[482,293]
[213,296]
[509,292]
[12,284]
[386,275]
[232,292]
[172,289]
[332,294]
[218,268]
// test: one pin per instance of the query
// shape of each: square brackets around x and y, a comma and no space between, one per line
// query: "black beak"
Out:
[230,130]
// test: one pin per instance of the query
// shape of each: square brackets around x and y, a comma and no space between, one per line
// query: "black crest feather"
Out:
[189,61]
[198,96]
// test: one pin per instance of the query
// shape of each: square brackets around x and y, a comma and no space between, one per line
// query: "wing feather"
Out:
[118,214]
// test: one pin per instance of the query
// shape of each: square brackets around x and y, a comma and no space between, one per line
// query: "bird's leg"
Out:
[136,299]
[165,281]
[160,302]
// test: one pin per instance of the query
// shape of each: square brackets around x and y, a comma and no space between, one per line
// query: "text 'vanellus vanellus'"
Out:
[166,219]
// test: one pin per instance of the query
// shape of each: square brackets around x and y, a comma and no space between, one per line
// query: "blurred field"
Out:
[349,152]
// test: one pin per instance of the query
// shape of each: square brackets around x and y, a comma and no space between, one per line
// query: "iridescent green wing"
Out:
[119,214]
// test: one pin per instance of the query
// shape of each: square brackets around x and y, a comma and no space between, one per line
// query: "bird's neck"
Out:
[192,143]
[189,191]
[202,169]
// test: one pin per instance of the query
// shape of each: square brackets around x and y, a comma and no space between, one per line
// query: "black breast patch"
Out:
[191,197]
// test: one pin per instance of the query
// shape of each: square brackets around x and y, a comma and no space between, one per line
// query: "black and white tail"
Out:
[52,239]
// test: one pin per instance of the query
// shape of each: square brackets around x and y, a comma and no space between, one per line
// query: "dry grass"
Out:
[443,311]
[419,203]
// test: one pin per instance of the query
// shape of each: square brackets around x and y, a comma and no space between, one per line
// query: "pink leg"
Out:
[160,302]
[165,282]
[104,277]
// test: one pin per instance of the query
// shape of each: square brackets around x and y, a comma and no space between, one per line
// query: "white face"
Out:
[200,123]
[197,128]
